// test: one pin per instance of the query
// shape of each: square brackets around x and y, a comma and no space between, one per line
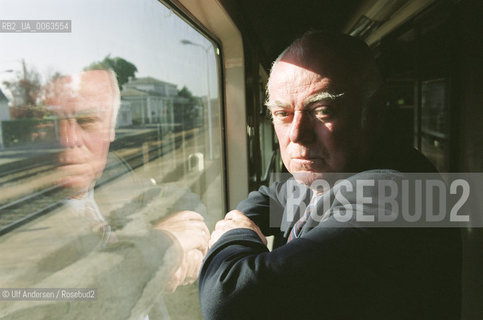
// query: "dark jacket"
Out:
[335,270]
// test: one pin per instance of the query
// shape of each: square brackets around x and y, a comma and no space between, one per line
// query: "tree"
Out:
[191,108]
[25,92]
[185,93]
[121,67]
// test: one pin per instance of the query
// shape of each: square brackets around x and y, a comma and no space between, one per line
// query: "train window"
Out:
[110,122]
[434,122]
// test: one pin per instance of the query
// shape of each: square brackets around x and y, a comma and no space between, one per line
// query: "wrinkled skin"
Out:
[84,106]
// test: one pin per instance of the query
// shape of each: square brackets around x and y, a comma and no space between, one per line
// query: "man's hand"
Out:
[190,231]
[233,220]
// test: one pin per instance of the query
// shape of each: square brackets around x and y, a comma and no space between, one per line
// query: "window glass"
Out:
[434,123]
[109,126]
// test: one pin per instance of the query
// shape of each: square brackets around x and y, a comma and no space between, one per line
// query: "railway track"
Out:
[26,172]
[26,208]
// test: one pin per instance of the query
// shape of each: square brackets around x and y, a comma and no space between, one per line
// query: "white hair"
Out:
[116,102]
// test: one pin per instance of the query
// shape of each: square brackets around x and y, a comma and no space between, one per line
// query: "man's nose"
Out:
[69,133]
[301,128]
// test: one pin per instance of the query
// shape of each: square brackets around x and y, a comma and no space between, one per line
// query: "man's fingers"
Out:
[233,220]
[205,232]
[203,243]
[190,215]
[194,259]
[182,217]
[184,226]
[188,271]
[235,215]
[220,224]
[214,237]
[175,280]
[261,236]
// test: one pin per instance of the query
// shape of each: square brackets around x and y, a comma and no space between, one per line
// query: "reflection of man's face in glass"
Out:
[84,104]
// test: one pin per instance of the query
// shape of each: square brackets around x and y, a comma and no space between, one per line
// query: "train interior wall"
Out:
[469,152]
[441,48]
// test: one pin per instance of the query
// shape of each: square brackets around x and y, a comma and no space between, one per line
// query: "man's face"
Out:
[83,103]
[316,116]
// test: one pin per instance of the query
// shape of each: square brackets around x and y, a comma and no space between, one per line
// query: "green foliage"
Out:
[26,90]
[185,93]
[121,67]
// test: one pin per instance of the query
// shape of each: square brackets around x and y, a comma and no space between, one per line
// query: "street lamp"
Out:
[210,127]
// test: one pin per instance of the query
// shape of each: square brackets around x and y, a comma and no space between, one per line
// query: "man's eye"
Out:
[280,114]
[88,121]
[323,113]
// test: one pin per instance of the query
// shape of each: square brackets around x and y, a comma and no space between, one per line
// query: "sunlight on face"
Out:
[315,118]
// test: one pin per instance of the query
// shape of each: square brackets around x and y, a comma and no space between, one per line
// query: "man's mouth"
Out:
[307,159]
[308,164]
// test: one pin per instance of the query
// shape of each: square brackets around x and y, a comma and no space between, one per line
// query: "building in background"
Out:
[152,101]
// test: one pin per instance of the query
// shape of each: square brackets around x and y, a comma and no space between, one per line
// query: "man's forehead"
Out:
[291,74]
[84,89]
[320,65]
[287,78]
[87,83]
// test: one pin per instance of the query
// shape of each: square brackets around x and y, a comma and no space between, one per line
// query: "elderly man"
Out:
[130,263]
[87,105]
[322,94]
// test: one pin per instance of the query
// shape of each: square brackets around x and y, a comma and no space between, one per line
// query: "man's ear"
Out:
[112,134]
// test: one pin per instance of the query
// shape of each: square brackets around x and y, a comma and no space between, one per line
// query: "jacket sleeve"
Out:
[267,207]
[336,270]
[241,279]
[260,205]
